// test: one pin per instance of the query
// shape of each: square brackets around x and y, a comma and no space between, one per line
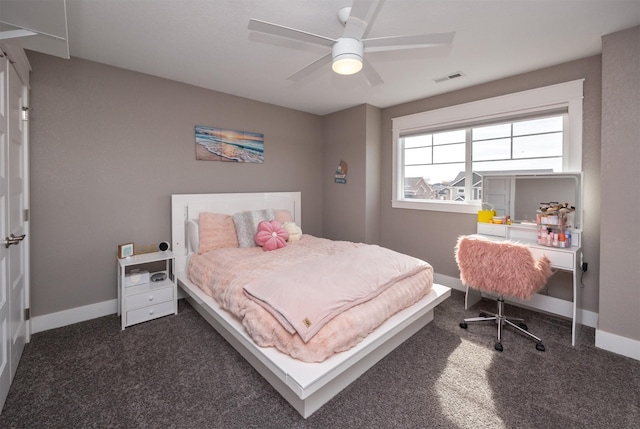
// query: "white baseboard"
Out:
[452,282]
[604,340]
[617,344]
[548,304]
[73,315]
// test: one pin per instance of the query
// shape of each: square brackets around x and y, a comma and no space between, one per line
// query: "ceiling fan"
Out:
[347,52]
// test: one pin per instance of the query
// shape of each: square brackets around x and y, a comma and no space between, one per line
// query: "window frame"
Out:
[563,97]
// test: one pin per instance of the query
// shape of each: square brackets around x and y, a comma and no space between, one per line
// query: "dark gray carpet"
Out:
[177,372]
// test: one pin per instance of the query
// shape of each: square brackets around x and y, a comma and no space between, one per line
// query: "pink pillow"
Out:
[216,231]
[271,236]
[283,215]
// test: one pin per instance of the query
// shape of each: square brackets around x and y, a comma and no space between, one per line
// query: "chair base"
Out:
[501,320]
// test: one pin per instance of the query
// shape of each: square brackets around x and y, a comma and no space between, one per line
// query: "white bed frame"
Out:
[306,386]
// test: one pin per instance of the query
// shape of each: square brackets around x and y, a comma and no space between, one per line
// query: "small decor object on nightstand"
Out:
[159,276]
[125,250]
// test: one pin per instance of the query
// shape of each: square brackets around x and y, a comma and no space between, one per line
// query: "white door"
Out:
[5,349]
[15,209]
[14,330]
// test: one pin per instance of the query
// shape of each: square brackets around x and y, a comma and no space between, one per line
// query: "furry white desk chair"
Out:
[503,268]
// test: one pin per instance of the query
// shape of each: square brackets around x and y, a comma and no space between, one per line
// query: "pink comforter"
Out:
[307,296]
[223,273]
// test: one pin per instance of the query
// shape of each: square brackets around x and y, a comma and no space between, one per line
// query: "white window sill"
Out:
[438,206]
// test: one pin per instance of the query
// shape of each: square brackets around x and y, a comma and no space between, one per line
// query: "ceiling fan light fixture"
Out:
[347,56]
[347,64]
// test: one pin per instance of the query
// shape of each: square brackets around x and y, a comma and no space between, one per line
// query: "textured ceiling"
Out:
[206,43]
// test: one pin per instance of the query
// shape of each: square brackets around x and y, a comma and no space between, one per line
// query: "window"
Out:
[440,156]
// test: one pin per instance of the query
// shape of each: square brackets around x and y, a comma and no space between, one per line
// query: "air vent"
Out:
[449,77]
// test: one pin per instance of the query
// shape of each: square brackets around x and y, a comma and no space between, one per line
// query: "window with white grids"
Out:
[441,156]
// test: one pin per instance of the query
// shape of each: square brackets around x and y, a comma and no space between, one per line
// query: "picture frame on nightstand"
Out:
[125,250]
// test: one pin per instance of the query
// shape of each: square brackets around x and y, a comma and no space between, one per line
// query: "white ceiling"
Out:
[206,43]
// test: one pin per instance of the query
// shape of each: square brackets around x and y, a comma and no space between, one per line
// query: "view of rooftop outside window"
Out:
[435,163]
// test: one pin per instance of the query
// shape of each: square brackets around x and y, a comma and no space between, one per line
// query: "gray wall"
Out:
[373,155]
[620,240]
[351,211]
[432,235]
[343,210]
[110,146]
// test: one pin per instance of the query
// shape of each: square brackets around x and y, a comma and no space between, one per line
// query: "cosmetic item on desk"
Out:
[486,214]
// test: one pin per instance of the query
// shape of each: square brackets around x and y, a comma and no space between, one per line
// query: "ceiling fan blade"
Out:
[393,43]
[362,13]
[289,33]
[370,74]
[310,68]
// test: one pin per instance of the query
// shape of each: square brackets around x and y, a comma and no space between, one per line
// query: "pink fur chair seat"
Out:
[500,267]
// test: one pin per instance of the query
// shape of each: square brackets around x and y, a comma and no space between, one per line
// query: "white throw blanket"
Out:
[311,293]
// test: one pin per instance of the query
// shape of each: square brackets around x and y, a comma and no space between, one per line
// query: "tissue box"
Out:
[135,278]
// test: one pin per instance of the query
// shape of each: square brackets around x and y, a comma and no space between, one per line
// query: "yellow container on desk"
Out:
[486,216]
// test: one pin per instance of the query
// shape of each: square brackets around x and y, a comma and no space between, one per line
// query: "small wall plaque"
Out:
[341,173]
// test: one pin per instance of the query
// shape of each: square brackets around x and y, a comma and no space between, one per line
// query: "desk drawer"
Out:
[497,230]
[149,313]
[149,298]
[558,258]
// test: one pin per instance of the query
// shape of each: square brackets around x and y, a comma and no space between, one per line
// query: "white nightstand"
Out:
[146,301]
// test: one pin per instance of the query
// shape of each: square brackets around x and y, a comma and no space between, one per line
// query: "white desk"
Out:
[565,259]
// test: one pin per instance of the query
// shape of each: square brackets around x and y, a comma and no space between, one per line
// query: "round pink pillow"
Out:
[271,236]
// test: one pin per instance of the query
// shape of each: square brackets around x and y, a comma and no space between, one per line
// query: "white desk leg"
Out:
[577,302]
[472,298]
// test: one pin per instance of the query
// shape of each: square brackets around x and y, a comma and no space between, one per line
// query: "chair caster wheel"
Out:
[463,325]
[498,346]
[523,326]
[540,347]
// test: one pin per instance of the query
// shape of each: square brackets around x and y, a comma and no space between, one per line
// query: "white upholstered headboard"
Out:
[185,207]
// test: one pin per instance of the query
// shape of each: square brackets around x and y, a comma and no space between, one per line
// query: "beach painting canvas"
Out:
[219,144]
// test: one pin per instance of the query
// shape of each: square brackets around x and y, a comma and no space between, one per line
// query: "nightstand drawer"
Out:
[148,313]
[558,258]
[151,297]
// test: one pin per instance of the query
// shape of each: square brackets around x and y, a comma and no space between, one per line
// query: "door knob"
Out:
[8,241]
